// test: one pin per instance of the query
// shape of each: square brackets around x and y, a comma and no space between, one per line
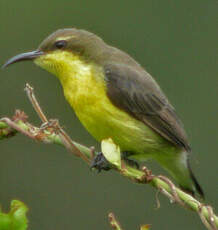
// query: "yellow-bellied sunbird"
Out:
[113,96]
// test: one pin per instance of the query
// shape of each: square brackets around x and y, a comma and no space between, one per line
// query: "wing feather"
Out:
[134,91]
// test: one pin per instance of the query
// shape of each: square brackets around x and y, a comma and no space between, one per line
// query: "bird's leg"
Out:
[130,162]
[100,163]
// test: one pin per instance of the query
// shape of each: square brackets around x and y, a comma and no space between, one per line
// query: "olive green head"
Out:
[78,42]
[73,41]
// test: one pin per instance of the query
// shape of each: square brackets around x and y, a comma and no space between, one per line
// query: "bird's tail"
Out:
[179,167]
[194,180]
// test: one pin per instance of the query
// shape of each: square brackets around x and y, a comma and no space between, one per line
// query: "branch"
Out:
[113,222]
[51,132]
[116,225]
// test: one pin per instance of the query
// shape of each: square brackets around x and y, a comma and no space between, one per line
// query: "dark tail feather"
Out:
[196,184]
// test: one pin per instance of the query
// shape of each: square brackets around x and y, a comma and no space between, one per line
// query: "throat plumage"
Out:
[83,86]
[82,82]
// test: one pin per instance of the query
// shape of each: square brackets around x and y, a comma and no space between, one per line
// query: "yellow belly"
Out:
[102,119]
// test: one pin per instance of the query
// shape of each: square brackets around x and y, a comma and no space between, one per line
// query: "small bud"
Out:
[111,152]
[145,227]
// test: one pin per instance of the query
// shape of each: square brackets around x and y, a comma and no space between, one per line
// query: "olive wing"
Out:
[133,90]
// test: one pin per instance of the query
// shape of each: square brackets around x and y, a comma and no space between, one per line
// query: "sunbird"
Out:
[115,97]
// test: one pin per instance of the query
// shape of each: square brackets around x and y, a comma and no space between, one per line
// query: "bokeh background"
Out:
[177,43]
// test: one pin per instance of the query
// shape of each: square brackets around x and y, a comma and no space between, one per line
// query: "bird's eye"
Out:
[60,44]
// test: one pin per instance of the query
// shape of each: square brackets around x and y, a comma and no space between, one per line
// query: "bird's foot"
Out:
[100,163]
[130,162]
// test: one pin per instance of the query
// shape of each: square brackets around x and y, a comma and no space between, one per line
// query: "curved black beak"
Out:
[23,57]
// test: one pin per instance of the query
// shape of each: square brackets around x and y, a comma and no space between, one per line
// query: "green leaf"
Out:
[15,219]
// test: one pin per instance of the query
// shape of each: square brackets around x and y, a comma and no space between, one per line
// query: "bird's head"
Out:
[62,49]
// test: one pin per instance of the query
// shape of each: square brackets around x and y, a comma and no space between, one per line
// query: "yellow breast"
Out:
[86,93]
[85,90]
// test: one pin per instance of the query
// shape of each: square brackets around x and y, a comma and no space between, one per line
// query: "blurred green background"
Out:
[176,41]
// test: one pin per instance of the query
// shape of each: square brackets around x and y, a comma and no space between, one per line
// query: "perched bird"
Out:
[113,96]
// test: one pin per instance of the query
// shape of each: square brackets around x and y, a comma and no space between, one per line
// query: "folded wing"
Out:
[134,91]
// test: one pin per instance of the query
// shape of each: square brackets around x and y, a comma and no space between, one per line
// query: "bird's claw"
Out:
[100,163]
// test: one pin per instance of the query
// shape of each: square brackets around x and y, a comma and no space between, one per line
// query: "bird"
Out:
[115,97]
